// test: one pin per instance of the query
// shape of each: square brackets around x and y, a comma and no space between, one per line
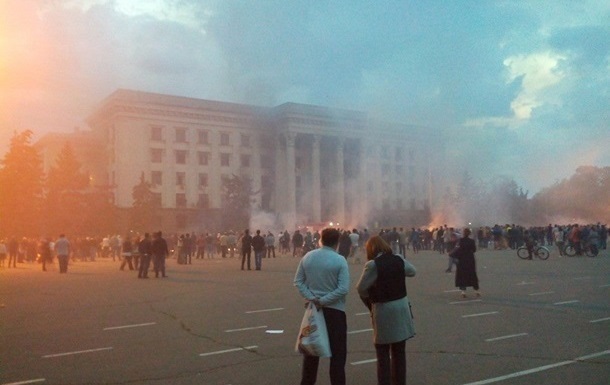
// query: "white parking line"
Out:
[505,337]
[479,314]
[77,352]
[525,283]
[600,320]
[542,293]
[452,291]
[243,329]
[26,382]
[608,285]
[365,313]
[248,348]
[566,302]
[360,331]
[538,369]
[264,310]
[130,326]
[579,278]
[466,301]
[363,362]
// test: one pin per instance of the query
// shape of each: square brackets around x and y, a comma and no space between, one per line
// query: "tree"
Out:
[21,187]
[236,201]
[144,204]
[66,191]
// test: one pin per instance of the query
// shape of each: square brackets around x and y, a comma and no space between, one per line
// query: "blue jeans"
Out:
[258,259]
[452,262]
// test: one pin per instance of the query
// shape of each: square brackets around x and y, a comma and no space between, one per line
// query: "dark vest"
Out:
[390,284]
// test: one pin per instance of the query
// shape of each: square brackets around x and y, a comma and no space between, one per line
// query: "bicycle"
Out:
[538,251]
[589,250]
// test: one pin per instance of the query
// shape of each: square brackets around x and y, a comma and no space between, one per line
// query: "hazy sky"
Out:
[521,88]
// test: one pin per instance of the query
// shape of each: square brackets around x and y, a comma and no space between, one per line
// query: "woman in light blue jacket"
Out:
[383,290]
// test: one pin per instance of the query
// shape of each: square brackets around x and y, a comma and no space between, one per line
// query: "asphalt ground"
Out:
[537,322]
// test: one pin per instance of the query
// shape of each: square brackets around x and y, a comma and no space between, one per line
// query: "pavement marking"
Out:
[579,278]
[566,302]
[505,337]
[365,313]
[479,314]
[600,320]
[525,283]
[465,301]
[451,291]
[538,369]
[130,326]
[26,382]
[363,362]
[360,331]
[77,352]
[542,293]
[242,329]
[608,285]
[248,348]
[264,310]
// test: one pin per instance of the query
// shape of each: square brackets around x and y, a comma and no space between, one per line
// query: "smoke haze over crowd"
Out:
[520,89]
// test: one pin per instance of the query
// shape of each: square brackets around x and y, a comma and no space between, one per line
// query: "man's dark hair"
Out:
[330,237]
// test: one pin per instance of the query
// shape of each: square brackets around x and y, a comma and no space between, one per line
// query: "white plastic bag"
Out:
[313,336]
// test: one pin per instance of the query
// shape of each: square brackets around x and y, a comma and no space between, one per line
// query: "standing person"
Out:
[354,237]
[3,252]
[13,250]
[297,244]
[159,252]
[246,248]
[383,290]
[258,245]
[322,277]
[62,249]
[466,269]
[127,253]
[44,249]
[145,250]
[270,241]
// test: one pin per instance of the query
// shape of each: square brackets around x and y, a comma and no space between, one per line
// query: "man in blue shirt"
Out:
[322,277]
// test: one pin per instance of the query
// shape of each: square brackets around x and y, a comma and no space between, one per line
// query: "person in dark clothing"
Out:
[159,252]
[345,244]
[466,270]
[258,245]
[145,250]
[246,248]
[297,244]
[127,253]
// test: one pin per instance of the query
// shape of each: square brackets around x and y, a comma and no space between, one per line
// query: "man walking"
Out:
[62,249]
[145,250]
[159,251]
[322,277]
[246,248]
[258,245]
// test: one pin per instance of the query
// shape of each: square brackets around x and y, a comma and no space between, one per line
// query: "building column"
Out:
[291,194]
[315,179]
[340,203]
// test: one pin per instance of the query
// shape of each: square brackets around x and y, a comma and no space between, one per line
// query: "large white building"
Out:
[308,164]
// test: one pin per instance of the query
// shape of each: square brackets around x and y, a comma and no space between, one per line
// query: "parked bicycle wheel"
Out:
[522,252]
[543,253]
[569,250]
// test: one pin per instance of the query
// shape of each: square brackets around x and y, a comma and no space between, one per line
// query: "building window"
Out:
[204,201]
[202,137]
[156,178]
[180,179]
[398,154]
[385,169]
[181,200]
[245,160]
[181,135]
[224,139]
[156,155]
[180,157]
[203,158]
[203,180]
[297,182]
[156,133]
[225,160]
[245,140]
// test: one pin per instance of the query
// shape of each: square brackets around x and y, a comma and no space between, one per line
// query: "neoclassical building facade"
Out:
[307,164]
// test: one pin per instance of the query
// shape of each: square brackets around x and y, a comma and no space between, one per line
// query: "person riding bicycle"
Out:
[529,243]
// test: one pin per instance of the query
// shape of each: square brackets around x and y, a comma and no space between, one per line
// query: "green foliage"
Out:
[236,201]
[21,192]
[144,205]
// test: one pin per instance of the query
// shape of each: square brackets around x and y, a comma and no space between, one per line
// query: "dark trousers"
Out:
[144,265]
[391,364]
[336,323]
[127,261]
[63,263]
[245,254]
[270,250]
[159,265]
